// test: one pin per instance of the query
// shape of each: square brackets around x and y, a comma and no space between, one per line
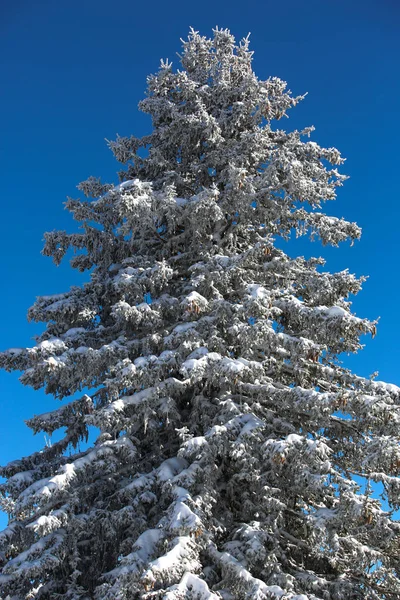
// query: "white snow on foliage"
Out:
[191,586]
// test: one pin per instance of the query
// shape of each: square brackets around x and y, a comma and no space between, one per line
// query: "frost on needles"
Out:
[231,440]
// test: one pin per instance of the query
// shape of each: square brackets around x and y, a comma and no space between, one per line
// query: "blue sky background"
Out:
[72,74]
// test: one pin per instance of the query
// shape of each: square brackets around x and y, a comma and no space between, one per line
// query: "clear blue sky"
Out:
[72,74]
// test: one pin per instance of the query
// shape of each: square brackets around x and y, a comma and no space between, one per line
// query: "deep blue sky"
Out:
[72,74]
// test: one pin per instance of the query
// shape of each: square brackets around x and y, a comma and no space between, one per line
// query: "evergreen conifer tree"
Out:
[231,440]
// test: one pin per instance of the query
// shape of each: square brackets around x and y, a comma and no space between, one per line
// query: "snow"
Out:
[58,305]
[128,370]
[194,444]
[387,387]
[213,356]
[146,542]
[198,353]
[183,518]
[170,468]
[141,362]
[83,349]
[172,559]
[184,327]
[194,298]
[7,534]
[232,365]
[126,184]
[60,481]
[258,292]
[139,483]
[335,311]
[322,516]
[240,572]
[45,487]
[74,331]
[251,422]
[191,364]
[143,548]
[50,543]
[52,345]
[282,446]
[293,438]
[45,523]
[143,307]
[23,477]
[180,493]
[192,587]
[52,297]
[199,266]
[197,366]
[245,422]
[167,355]
[134,399]
[222,260]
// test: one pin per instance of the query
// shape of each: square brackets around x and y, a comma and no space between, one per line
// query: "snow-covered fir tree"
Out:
[231,440]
